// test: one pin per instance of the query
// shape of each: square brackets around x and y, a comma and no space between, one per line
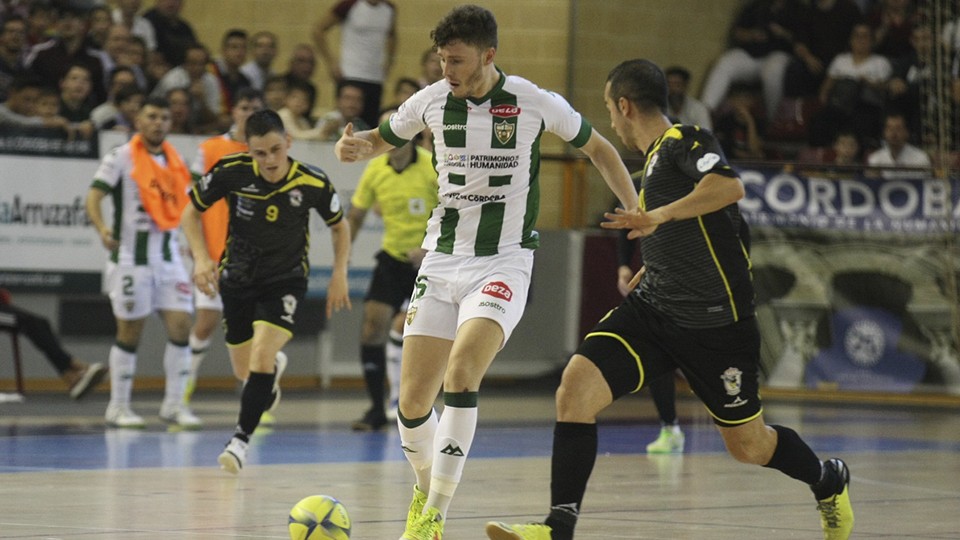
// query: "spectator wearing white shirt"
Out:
[127,13]
[681,106]
[193,76]
[896,151]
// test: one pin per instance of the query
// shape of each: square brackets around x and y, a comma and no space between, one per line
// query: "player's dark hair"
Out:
[262,122]
[641,82]
[127,92]
[472,25]
[157,101]
[247,94]
[234,33]
[681,72]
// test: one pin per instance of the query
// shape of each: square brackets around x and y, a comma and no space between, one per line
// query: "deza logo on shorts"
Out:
[498,289]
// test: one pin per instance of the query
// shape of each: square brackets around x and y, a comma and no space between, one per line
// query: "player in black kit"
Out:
[262,275]
[693,310]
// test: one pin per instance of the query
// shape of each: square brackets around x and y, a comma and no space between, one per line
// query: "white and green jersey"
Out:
[141,241]
[487,155]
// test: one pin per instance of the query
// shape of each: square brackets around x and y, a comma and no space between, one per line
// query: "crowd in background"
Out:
[828,81]
[800,80]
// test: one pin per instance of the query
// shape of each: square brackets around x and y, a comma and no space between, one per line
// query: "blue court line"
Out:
[119,449]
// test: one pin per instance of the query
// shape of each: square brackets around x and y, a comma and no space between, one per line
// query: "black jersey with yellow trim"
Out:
[268,237]
[698,270]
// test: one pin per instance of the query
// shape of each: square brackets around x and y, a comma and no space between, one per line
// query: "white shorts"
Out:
[137,291]
[202,301]
[452,289]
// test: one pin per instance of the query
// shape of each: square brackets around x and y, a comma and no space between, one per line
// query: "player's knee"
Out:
[750,450]
[583,392]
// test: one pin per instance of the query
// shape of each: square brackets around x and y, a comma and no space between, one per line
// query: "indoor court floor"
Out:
[64,476]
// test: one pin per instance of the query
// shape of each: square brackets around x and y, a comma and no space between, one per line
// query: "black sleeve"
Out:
[625,248]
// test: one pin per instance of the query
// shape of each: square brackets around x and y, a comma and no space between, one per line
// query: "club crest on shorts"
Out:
[732,381]
[498,289]
[289,307]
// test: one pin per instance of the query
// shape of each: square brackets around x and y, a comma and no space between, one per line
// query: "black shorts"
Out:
[392,281]
[274,303]
[635,344]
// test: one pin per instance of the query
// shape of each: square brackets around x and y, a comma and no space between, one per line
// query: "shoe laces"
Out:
[828,509]
[428,526]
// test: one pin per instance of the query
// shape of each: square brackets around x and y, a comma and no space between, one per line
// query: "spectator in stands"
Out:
[13,47]
[174,35]
[51,59]
[892,23]
[275,92]
[114,45]
[739,125]
[80,377]
[403,89]
[682,107]
[75,100]
[181,111]
[823,33]
[910,73]
[127,13]
[896,151]
[295,114]
[303,62]
[128,100]
[20,107]
[119,78]
[193,75]
[263,47]
[845,151]
[761,38]
[854,91]
[98,22]
[14,8]
[233,54]
[48,103]
[41,22]
[348,109]
[186,117]
[368,46]
[430,69]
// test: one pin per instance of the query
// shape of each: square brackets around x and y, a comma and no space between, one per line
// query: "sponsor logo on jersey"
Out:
[707,162]
[505,111]
[296,198]
[482,161]
[251,188]
[451,159]
[335,203]
[473,197]
[493,305]
[498,289]
[504,131]
[652,163]
[454,127]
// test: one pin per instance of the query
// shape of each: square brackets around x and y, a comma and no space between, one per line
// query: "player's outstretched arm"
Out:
[607,160]
[361,145]
[204,269]
[338,292]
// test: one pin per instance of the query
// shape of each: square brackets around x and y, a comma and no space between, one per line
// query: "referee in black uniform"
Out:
[262,275]
[693,310]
